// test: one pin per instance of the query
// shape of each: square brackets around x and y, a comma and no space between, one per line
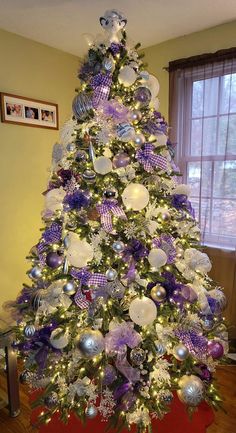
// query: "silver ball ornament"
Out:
[29,331]
[180,352]
[71,147]
[118,246]
[89,176]
[35,272]
[90,343]
[137,356]
[158,293]
[139,139]
[81,105]
[191,390]
[111,274]
[208,324]
[91,411]
[135,116]
[51,400]
[69,288]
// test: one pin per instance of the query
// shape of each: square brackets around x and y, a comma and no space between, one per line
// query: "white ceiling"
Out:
[61,23]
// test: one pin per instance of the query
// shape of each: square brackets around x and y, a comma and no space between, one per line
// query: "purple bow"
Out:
[165,242]
[101,84]
[87,278]
[106,209]
[122,364]
[52,234]
[149,159]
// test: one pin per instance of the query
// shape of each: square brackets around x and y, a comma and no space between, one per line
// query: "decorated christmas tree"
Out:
[120,314]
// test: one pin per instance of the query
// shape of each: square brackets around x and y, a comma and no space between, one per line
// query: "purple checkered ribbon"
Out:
[52,234]
[88,278]
[149,159]
[81,300]
[196,343]
[165,242]
[101,84]
[97,279]
[106,209]
[41,252]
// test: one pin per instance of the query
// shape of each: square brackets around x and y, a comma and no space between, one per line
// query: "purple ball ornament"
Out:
[215,349]
[122,159]
[142,95]
[53,260]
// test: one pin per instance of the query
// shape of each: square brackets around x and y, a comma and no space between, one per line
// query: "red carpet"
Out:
[177,421]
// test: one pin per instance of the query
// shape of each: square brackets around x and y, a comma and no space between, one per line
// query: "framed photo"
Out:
[26,111]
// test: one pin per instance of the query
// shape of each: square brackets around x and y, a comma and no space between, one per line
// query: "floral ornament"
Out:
[80,388]
[166,243]
[197,261]
[76,200]
[139,416]
[54,298]
[126,174]
[160,373]
[114,110]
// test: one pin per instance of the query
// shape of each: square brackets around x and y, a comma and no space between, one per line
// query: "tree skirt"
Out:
[177,421]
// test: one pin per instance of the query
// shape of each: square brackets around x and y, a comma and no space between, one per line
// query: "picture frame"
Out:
[20,110]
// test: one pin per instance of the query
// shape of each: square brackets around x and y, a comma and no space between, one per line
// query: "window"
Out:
[205,123]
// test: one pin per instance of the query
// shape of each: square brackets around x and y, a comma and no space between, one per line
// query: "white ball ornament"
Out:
[127,76]
[152,84]
[54,199]
[143,311]
[59,339]
[79,251]
[102,165]
[157,258]
[135,196]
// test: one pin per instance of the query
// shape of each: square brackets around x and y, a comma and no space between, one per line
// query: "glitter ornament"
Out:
[59,339]
[69,288]
[118,246]
[208,323]
[35,272]
[142,95]
[81,105]
[29,331]
[91,411]
[122,159]
[180,352]
[81,156]
[142,311]
[53,260]
[157,258]
[135,196]
[137,356]
[127,76]
[191,390]
[215,349]
[111,274]
[89,176]
[102,165]
[25,377]
[51,400]
[158,293]
[90,343]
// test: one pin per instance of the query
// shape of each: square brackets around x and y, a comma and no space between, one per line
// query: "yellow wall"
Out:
[211,40]
[28,69]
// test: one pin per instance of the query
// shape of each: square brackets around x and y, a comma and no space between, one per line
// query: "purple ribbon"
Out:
[101,84]
[52,234]
[149,159]
[122,364]
[196,344]
[88,278]
[106,209]
[165,242]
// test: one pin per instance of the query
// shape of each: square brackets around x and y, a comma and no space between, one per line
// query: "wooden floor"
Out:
[224,423]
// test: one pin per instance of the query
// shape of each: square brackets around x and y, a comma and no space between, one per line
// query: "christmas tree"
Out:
[120,313]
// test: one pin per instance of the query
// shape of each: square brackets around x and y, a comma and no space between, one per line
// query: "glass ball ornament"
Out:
[139,139]
[54,260]
[89,176]
[108,64]
[215,349]
[180,352]
[168,397]
[135,196]
[191,390]
[25,377]
[81,105]
[125,132]
[91,411]
[127,76]
[142,95]
[59,339]
[142,311]
[157,258]
[102,165]
[69,288]
[81,156]
[158,293]
[51,400]
[35,272]
[137,356]
[70,147]
[111,274]
[110,193]
[118,246]
[29,331]
[208,323]
[122,159]
[135,116]
[90,343]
